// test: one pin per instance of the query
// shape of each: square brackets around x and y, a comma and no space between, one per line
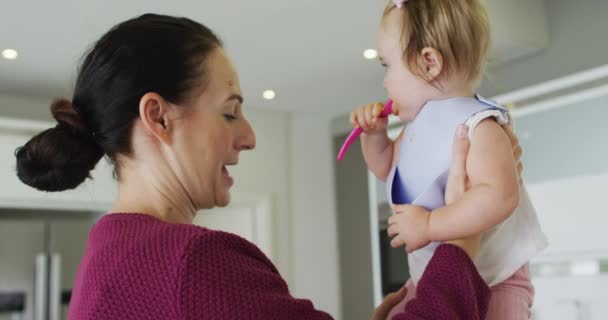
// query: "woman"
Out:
[158,96]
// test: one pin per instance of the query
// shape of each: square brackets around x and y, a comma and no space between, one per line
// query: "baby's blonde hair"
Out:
[458,29]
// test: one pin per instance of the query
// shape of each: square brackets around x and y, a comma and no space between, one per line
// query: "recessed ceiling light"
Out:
[10,54]
[370,54]
[269,94]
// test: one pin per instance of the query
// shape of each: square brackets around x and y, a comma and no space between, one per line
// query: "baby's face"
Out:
[408,91]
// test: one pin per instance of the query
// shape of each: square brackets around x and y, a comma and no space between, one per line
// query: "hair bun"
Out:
[65,113]
[59,158]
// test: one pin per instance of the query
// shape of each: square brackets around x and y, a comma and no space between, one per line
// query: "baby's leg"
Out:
[400,307]
[512,298]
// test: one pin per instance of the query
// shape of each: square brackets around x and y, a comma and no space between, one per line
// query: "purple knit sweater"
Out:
[138,267]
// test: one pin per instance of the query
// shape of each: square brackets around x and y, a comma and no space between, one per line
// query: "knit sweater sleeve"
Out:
[223,276]
[450,288]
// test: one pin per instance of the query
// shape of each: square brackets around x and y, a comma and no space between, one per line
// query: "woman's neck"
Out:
[152,188]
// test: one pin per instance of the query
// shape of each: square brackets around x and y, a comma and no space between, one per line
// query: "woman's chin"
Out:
[223,199]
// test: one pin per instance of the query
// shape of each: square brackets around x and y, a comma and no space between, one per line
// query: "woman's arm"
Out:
[450,288]
[223,276]
[494,192]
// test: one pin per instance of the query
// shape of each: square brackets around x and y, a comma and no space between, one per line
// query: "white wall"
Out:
[25,107]
[566,169]
[577,41]
[576,224]
[570,298]
[315,249]
[294,160]
[266,170]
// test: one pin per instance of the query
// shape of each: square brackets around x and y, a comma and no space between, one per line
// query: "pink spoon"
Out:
[388,108]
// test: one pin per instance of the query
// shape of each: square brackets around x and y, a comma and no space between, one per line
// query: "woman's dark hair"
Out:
[151,53]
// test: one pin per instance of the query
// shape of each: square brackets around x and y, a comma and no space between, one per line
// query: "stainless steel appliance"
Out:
[39,255]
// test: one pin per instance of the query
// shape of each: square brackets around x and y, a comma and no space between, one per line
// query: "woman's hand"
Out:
[390,301]
[517,151]
[458,182]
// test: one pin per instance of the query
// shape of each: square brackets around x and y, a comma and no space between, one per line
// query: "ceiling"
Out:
[309,51]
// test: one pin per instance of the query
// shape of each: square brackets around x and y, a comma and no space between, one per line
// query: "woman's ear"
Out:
[432,63]
[154,113]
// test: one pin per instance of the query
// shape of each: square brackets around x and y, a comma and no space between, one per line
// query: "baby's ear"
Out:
[431,61]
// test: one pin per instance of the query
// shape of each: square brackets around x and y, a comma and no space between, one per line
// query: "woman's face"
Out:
[212,132]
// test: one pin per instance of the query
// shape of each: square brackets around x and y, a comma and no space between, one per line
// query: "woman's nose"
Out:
[246,138]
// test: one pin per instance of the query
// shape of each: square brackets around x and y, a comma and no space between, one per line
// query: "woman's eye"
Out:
[230,117]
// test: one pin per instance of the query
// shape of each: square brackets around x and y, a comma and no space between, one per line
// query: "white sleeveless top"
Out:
[420,178]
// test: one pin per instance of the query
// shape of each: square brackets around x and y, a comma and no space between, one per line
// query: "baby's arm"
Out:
[378,150]
[494,192]
[377,147]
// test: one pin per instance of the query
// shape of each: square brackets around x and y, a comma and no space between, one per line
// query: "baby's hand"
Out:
[410,226]
[368,118]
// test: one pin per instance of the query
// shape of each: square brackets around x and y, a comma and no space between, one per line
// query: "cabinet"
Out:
[39,254]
